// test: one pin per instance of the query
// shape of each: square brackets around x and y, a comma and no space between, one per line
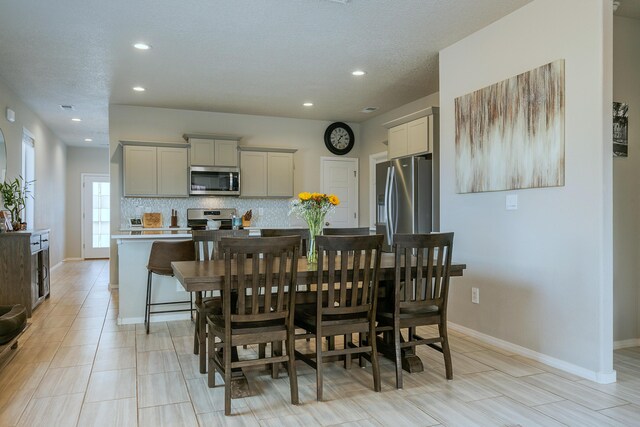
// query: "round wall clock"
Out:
[339,138]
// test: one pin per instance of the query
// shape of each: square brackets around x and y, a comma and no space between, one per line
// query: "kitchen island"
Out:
[134,247]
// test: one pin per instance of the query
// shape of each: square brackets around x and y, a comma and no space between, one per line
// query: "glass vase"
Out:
[315,229]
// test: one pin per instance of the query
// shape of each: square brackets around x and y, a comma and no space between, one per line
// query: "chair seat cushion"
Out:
[305,318]
[408,313]
[211,305]
[13,319]
[217,320]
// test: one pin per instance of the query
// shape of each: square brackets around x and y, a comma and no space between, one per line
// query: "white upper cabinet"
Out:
[266,172]
[212,151]
[279,174]
[416,133]
[140,170]
[151,170]
[172,172]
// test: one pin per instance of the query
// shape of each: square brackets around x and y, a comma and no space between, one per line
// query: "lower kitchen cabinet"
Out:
[24,269]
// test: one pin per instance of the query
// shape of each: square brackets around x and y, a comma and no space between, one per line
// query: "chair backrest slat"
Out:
[280,232]
[266,270]
[358,231]
[348,293]
[428,283]
[207,242]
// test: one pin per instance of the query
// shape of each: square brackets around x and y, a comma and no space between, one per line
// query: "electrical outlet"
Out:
[260,211]
[475,295]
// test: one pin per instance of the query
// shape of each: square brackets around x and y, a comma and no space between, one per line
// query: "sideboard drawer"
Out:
[35,243]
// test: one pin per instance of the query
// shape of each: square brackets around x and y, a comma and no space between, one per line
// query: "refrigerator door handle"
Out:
[391,220]
[387,204]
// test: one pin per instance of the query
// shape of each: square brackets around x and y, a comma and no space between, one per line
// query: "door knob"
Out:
[326,224]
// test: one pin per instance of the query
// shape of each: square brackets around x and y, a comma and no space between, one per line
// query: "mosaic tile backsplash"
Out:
[275,212]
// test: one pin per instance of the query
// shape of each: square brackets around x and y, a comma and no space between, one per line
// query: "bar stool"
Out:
[160,259]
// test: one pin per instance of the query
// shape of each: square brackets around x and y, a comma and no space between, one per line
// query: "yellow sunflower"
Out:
[304,196]
[333,199]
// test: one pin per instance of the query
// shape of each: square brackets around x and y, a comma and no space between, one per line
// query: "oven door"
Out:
[219,181]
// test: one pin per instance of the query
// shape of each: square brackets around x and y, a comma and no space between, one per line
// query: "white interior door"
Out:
[95,216]
[339,176]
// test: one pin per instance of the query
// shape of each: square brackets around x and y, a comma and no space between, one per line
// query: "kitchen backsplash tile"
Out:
[276,212]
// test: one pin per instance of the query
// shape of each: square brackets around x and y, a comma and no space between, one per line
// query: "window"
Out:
[29,175]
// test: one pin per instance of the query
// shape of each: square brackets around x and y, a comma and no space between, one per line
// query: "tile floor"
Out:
[76,367]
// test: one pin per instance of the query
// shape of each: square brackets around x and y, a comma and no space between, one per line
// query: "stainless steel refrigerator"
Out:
[403,197]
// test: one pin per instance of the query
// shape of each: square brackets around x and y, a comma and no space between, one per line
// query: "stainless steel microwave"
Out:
[214,181]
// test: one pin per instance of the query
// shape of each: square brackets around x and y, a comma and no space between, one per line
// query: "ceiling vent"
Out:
[369,109]
[67,107]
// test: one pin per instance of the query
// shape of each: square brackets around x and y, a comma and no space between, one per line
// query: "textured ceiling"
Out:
[262,57]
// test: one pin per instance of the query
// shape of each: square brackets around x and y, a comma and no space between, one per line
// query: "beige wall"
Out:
[626,175]
[544,271]
[50,155]
[80,160]
[168,125]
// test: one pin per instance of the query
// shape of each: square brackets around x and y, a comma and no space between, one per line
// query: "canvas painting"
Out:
[620,129]
[510,135]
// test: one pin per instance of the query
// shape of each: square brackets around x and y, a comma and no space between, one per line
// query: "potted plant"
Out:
[14,195]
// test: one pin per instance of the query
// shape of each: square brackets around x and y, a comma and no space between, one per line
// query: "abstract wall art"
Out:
[620,129]
[510,135]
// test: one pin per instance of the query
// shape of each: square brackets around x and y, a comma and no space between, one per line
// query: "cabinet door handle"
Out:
[36,243]
[45,240]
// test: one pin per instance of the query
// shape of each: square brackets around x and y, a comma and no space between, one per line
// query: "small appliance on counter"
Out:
[197,218]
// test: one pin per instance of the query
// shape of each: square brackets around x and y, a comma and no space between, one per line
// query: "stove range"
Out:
[197,218]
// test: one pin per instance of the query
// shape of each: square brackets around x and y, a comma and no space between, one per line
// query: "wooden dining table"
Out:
[205,276]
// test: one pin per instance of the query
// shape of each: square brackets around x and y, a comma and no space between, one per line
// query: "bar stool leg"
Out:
[147,312]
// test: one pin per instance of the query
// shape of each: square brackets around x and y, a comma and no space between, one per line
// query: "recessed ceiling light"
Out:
[67,107]
[142,46]
[88,140]
[308,104]
[75,119]
[139,89]
[359,73]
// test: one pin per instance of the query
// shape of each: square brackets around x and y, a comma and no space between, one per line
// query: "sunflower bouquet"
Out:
[313,208]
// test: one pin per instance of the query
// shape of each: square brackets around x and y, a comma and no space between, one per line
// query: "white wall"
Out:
[80,160]
[50,155]
[544,270]
[168,125]
[626,175]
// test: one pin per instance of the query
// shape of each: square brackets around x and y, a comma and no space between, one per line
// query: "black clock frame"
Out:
[327,138]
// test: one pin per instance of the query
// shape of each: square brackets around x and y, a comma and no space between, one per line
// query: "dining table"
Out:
[205,276]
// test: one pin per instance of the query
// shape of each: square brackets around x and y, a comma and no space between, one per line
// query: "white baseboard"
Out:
[599,377]
[163,317]
[633,342]
[56,266]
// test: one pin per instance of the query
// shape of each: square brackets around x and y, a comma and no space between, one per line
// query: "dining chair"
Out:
[206,244]
[258,301]
[420,291]
[357,231]
[346,297]
[279,232]
[160,258]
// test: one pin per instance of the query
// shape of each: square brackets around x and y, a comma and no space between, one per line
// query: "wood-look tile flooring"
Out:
[77,367]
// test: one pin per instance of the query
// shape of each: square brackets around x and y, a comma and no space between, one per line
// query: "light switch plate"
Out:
[11,115]
[512,202]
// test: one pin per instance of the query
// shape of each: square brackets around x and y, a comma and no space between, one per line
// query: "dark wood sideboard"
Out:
[24,268]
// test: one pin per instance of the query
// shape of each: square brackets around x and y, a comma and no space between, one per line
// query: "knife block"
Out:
[174,221]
